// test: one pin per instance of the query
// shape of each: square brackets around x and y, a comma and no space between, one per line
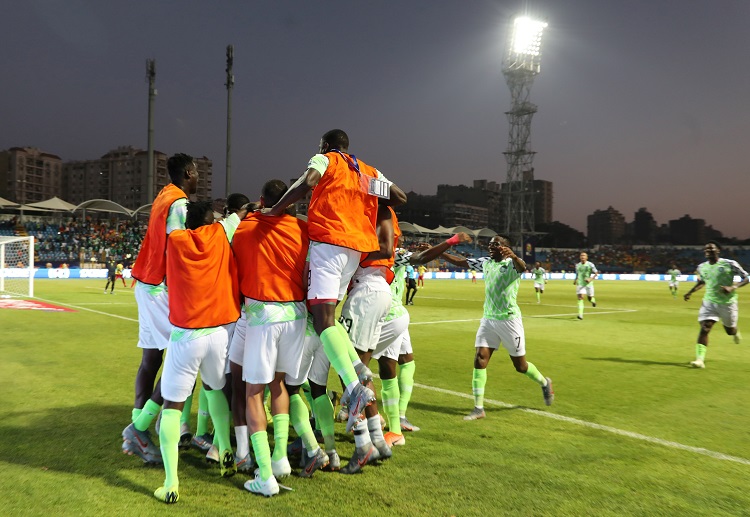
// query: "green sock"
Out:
[538,296]
[148,413]
[262,454]
[301,422]
[169,437]
[185,417]
[336,349]
[477,386]
[533,374]
[405,385]
[218,408]
[202,413]
[700,351]
[580,307]
[281,435]
[306,390]
[324,416]
[593,300]
[134,414]
[389,395]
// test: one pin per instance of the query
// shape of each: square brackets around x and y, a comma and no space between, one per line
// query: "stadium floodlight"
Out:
[521,66]
[525,47]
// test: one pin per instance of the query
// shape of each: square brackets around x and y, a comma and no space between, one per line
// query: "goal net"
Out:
[17,266]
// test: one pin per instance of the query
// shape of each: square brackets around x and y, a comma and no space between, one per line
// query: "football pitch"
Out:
[633,430]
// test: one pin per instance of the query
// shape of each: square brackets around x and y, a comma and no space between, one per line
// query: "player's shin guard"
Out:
[202,426]
[700,352]
[301,421]
[218,408]
[169,438]
[533,374]
[262,453]
[336,349]
[149,412]
[478,381]
[324,417]
[185,416]
[281,435]
[405,385]
[389,395]
[580,308]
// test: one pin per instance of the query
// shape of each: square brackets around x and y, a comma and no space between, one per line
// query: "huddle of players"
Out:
[290,275]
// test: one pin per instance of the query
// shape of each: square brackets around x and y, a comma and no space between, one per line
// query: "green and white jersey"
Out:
[584,271]
[398,285]
[264,313]
[673,274]
[501,282]
[538,275]
[717,275]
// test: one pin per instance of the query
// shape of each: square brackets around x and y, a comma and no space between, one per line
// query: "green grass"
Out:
[67,385]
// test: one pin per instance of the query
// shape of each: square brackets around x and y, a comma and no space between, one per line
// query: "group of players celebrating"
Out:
[252,297]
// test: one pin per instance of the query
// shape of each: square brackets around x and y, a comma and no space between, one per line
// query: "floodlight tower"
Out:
[230,85]
[521,65]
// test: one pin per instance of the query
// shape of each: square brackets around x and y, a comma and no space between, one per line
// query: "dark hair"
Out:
[504,239]
[336,139]
[177,165]
[236,201]
[272,192]
[196,214]
[715,244]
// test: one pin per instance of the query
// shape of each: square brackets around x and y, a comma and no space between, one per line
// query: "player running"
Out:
[539,280]
[720,299]
[674,281]
[586,273]
[501,322]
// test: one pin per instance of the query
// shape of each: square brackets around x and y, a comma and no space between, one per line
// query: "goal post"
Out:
[17,266]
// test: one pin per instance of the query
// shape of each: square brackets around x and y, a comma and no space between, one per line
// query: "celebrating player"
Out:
[674,281]
[586,273]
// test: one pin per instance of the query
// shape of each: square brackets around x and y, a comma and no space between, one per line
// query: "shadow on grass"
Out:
[84,440]
[452,410]
[637,361]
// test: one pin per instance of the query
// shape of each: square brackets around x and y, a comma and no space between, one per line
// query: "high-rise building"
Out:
[645,228]
[605,227]
[28,175]
[687,230]
[121,176]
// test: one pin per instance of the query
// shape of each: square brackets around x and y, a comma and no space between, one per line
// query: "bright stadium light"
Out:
[525,46]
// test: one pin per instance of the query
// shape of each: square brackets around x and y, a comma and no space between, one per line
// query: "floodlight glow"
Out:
[527,36]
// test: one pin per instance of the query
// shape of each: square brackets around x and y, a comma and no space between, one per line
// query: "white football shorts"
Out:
[509,333]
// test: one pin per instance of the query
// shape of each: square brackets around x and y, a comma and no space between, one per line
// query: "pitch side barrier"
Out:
[439,275]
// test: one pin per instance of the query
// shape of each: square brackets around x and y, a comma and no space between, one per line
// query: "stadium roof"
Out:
[441,230]
[103,205]
[4,203]
[53,204]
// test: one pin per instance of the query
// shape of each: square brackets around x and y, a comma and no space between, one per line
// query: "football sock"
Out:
[580,307]
[218,408]
[477,386]
[185,417]
[533,374]
[301,421]
[324,417]
[361,434]
[134,414]
[150,410]
[243,446]
[592,300]
[405,385]
[336,349]
[375,430]
[538,296]
[306,391]
[281,435]
[389,396]
[262,454]
[202,413]
[700,352]
[169,437]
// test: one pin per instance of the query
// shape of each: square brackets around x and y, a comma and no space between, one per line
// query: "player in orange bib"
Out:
[341,222]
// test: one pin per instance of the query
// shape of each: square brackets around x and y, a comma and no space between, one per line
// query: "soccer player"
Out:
[168,213]
[420,279]
[203,308]
[586,273]
[674,281]
[111,274]
[118,274]
[501,322]
[720,299]
[539,280]
[271,253]
[473,274]
[341,224]
[411,284]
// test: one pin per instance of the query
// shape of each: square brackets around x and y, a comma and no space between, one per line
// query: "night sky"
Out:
[642,103]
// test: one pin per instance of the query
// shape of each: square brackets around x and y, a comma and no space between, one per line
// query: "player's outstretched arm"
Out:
[397,197]
[455,260]
[297,191]
[430,254]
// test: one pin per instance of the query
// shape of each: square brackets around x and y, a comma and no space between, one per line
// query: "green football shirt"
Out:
[673,274]
[501,281]
[538,275]
[584,271]
[717,275]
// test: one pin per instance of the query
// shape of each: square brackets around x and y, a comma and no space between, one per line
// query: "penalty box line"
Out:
[600,427]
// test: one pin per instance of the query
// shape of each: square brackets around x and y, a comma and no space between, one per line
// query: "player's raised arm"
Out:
[297,191]
[430,254]
[456,260]
[397,197]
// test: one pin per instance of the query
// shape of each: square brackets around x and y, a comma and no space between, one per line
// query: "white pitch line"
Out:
[85,309]
[619,311]
[443,321]
[105,303]
[600,427]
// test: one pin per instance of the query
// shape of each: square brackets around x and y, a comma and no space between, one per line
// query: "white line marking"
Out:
[618,311]
[85,309]
[592,425]
[105,303]
[443,321]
